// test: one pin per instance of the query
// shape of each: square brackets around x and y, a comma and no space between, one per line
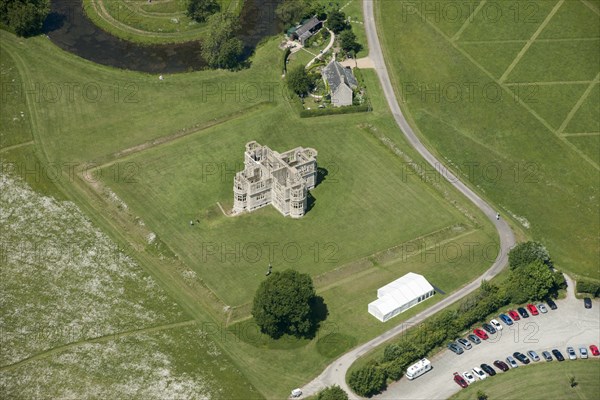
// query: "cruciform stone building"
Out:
[269,177]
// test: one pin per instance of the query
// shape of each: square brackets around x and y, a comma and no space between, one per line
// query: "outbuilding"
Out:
[400,295]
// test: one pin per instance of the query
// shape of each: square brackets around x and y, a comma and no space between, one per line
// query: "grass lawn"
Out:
[373,218]
[541,381]
[150,22]
[509,147]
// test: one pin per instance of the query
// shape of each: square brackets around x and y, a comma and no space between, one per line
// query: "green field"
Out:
[162,21]
[145,152]
[501,91]
[541,381]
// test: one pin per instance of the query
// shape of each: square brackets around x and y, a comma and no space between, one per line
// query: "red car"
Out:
[532,309]
[594,350]
[514,315]
[460,380]
[480,333]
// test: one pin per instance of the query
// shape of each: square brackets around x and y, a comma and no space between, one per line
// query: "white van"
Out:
[418,369]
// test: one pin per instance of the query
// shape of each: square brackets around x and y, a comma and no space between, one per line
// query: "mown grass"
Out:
[534,175]
[541,381]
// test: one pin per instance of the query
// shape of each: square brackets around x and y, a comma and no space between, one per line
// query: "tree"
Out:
[299,81]
[284,304]
[25,17]
[348,42]
[292,11]
[336,21]
[200,10]
[368,380]
[526,253]
[220,48]
[332,393]
[531,282]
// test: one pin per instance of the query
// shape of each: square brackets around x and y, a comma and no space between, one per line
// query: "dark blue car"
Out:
[506,319]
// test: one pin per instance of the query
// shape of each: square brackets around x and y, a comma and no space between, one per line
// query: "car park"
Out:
[478,372]
[480,334]
[594,350]
[542,308]
[455,348]
[489,329]
[533,355]
[514,315]
[474,338]
[488,369]
[547,356]
[558,355]
[464,343]
[583,352]
[571,353]
[587,302]
[521,357]
[468,377]
[460,380]
[506,319]
[532,309]
[501,365]
[522,312]
[496,324]
[511,361]
[551,304]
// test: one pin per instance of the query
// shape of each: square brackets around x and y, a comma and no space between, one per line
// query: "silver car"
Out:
[542,308]
[571,353]
[511,361]
[547,356]
[533,355]
[583,352]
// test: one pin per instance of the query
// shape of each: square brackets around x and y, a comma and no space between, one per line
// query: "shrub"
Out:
[286,54]
[332,393]
[368,380]
[525,253]
[588,286]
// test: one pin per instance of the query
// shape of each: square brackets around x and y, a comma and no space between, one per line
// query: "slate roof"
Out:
[307,26]
[335,74]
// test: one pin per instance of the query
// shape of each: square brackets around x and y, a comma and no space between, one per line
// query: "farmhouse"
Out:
[341,83]
[400,295]
[269,177]
[305,30]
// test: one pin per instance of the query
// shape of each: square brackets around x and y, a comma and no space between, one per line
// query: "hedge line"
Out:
[286,54]
[588,286]
[334,111]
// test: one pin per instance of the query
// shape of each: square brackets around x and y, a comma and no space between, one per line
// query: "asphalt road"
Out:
[570,325]
[335,373]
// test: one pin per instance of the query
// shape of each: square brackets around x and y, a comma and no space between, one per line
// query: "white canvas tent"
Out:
[400,295]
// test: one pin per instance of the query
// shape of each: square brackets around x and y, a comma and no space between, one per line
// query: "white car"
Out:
[583,352]
[478,372]
[468,377]
[542,308]
[496,324]
[571,353]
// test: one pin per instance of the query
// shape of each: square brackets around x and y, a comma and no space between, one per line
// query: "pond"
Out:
[69,28]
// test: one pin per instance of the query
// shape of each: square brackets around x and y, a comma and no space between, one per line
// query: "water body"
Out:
[69,28]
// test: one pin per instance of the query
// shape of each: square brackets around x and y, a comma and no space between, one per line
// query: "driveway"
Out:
[570,325]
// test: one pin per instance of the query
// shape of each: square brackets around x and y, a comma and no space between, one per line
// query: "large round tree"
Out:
[283,304]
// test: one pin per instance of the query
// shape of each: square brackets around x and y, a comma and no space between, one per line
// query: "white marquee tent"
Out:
[400,295]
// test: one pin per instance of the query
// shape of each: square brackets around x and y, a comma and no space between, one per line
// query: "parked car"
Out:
[551,304]
[501,365]
[587,302]
[473,338]
[460,380]
[464,343]
[521,357]
[480,334]
[511,361]
[523,312]
[533,355]
[583,352]
[468,377]
[532,309]
[514,315]
[571,353]
[496,324]
[506,319]
[594,350]
[542,308]
[479,373]
[489,329]
[455,348]
[547,356]
[558,355]
[488,369]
